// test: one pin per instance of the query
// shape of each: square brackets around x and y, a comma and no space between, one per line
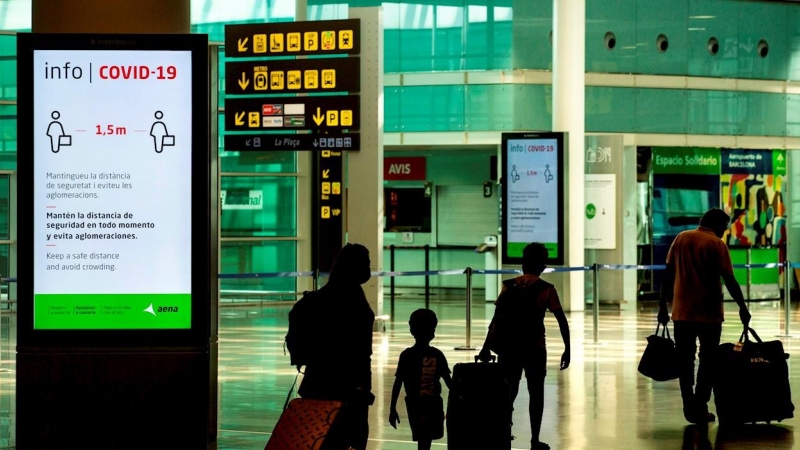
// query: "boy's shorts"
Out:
[425,417]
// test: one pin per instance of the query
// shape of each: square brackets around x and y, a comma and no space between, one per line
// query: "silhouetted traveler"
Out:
[338,365]
[517,333]
[696,261]
[420,368]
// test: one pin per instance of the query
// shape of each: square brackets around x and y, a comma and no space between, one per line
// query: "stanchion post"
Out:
[391,278]
[787,296]
[469,346]
[427,277]
[596,301]
[316,279]
[749,272]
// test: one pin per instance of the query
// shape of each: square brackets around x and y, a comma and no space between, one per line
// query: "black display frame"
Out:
[561,140]
[199,333]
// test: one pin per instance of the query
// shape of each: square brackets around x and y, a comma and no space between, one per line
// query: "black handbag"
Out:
[659,360]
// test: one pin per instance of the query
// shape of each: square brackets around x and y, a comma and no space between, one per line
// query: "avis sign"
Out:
[404,169]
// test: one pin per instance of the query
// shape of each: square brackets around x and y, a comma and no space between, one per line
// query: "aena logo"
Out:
[167,309]
[397,169]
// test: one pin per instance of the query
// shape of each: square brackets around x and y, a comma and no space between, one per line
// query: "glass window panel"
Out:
[15,15]
[259,206]
[257,257]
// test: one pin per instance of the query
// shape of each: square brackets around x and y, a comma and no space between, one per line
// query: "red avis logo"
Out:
[400,169]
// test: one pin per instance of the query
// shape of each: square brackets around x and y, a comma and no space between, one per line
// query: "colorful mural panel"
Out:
[754,200]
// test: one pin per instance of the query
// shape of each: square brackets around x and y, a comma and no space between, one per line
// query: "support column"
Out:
[111,16]
[569,50]
[364,202]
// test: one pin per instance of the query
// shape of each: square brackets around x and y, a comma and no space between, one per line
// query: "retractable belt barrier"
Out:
[469,272]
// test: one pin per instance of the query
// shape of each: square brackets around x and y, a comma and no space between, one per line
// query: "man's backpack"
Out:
[299,339]
[520,315]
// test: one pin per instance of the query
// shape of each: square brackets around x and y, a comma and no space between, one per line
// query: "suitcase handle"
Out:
[492,358]
[745,335]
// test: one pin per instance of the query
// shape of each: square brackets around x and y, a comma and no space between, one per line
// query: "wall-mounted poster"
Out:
[752,193]
[533,194]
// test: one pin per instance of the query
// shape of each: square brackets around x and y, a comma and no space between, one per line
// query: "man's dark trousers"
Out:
[687,333]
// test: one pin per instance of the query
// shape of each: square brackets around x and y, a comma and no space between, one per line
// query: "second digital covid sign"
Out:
[533,194]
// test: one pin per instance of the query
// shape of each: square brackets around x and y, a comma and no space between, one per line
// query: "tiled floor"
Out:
[600,402]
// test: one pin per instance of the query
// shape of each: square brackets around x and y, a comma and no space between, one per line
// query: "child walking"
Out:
[420,368]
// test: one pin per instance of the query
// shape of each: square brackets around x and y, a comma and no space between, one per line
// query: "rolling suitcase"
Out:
[752,382]
[308,425]
[478,410]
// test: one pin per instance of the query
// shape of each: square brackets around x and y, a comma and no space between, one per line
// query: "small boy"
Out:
[420,368]
[517,333]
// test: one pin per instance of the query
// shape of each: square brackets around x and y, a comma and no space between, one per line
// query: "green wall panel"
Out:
[432,108]
[619,17]
[713,112]
[762,114]
[719,19]
[656,17]
[661,111]
[489,107]
[793,115]
[793,43]
[391,109]
[531,47]
[533,107]
[768,21]
[610,109]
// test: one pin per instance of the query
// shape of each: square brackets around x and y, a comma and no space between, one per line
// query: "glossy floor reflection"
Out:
[600,402]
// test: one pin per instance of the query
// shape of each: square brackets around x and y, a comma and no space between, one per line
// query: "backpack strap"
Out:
[291,389]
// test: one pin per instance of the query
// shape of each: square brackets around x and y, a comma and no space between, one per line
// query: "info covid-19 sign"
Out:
[112,146]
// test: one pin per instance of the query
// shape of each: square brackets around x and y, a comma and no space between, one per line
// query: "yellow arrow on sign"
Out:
[326,174]
[244,82]
[318,117]
[242,44]
[239,118]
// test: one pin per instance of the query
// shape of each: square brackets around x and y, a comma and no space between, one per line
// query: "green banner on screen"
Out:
[515,248]
[112,311]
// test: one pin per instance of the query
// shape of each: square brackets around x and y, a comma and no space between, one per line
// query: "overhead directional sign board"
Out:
[270,70]
[293,38]
[293,76]
[291,142]
[292,113]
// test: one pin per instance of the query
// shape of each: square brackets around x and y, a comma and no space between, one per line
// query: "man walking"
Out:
[696,261]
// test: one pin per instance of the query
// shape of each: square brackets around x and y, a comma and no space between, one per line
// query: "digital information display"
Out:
[533,206]
[112,187]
